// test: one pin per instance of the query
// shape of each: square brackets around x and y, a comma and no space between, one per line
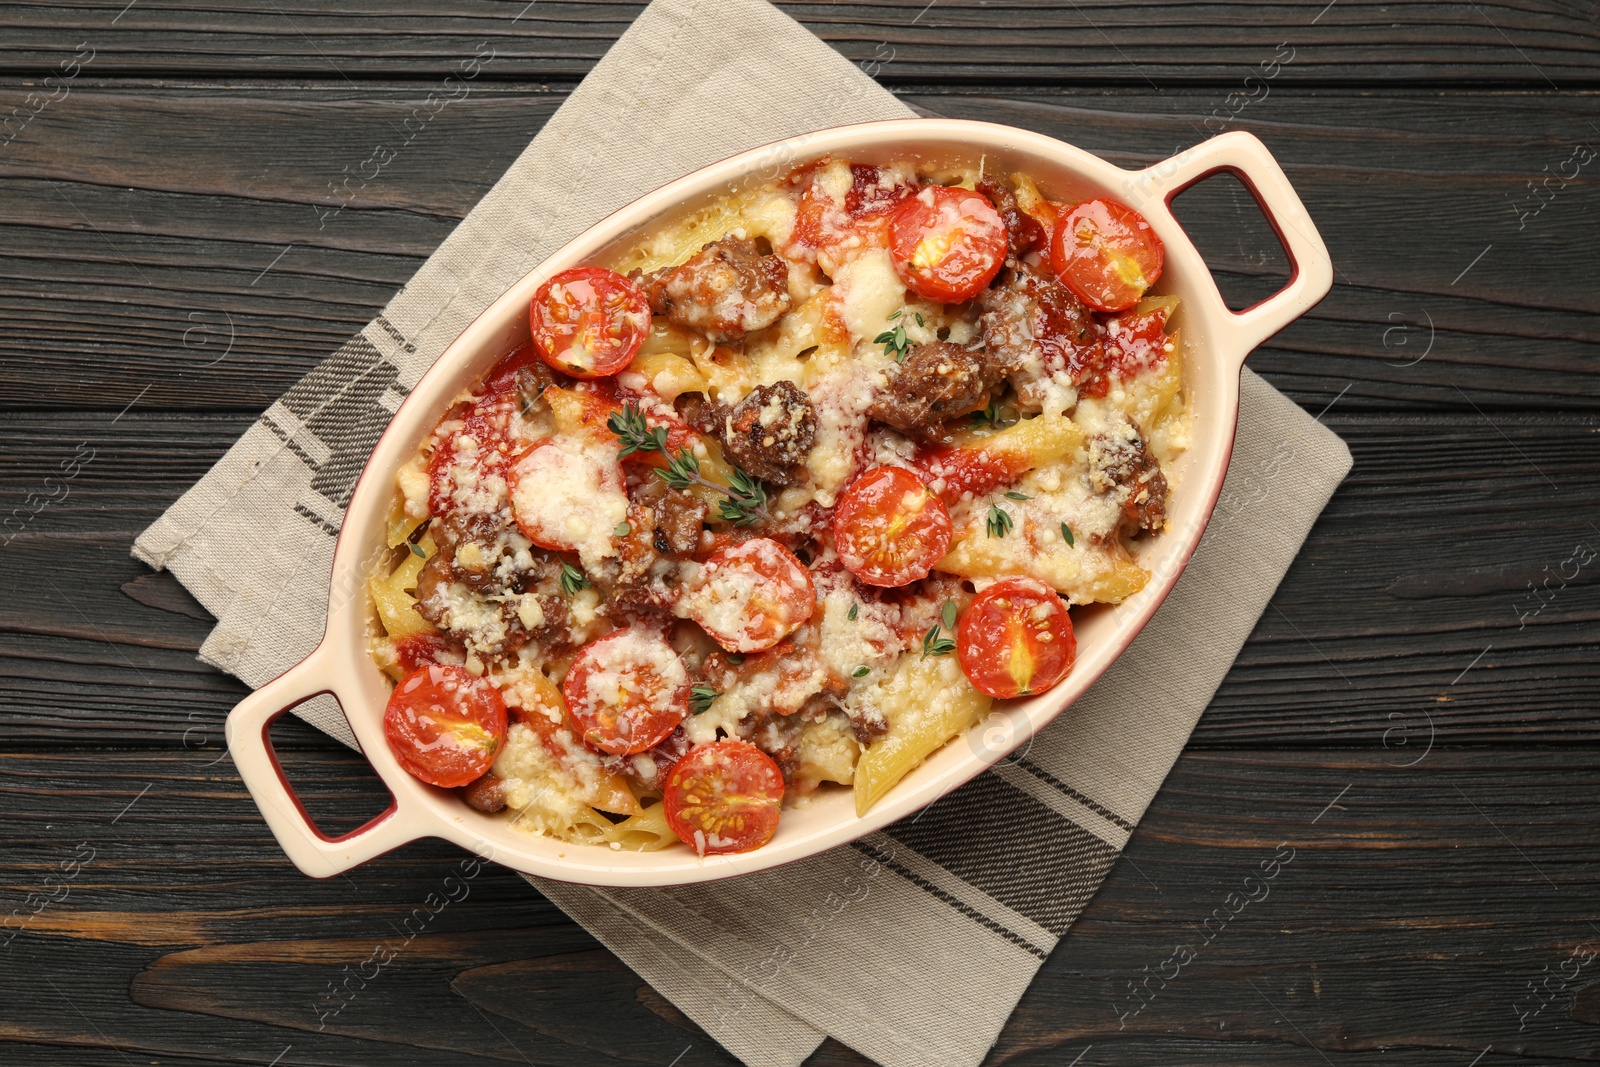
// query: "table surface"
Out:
[1417,714]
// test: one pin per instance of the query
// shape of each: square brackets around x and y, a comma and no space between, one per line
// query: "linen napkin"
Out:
[856,943]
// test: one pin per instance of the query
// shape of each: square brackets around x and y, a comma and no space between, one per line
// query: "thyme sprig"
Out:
[572,579]
[935,643]
[700,698]
[895,342]
[999,522]
[634,433]
[746,499]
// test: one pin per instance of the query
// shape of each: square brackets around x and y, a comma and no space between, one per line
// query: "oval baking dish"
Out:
[1216,343]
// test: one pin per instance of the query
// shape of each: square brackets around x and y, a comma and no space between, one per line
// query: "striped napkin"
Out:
[859,943]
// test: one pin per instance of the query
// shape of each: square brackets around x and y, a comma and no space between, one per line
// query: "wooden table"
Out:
[1416,715]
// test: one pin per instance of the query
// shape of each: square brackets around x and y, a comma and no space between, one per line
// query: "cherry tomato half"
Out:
[566,493]
[824,223]
[589,322]
[750,596]
[890,527]
[626,692]
[445,725]
[1015,639]
[947,244]
[724,797]
[1106,253]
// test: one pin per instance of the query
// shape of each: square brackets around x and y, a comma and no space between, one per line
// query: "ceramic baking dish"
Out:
[1216,342]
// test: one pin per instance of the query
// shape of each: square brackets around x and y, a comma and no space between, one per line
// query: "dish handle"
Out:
[1247,159]
[250,744]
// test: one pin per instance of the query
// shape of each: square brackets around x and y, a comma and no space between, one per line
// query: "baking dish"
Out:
[1216,343]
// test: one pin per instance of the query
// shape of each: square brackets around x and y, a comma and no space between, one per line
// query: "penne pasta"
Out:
[926,702]
[776,500]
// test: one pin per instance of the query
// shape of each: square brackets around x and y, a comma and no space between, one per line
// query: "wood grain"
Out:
[1415,721]
[1019,42]
[1417,904]
[212,279]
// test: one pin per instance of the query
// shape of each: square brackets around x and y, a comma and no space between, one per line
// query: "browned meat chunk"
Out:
[1023,230]
[937,382]
[1035,328]
[677,517]
[680,517]
[867,725]
[776,734]
[650,768]
[444,600]
[485,794]
[640,580]
[726,290]
[1120,462]
[768,434]
[532,381]
[481,554]
[630,585]
[554,633]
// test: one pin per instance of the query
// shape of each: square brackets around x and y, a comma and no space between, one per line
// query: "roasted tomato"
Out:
[589,322]
[1015,639]
[825,222]
[421,650]
[566,493]
[1137,341]
[502,377]
[724,797]
[626,691]
[890,528]
[750,596]
[947,244]
[1106,253]
[445,725]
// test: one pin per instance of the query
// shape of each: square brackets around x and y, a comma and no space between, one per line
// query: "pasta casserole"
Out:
[779,498]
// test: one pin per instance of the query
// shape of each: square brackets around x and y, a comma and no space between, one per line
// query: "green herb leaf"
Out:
[935,643]
[919,319]
[949,615]
[855,609]
[681,471]
[622,530]
[1014,495]
[996,415]
[572,579]
[861,672]
[416,550]
[1066,534]
[735,658]
[634,433]
[999,522]
[895,342]
[896,315]
[700,698]
[747,500]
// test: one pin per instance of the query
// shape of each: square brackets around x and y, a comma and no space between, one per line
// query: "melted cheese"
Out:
[854,649]
[569,493]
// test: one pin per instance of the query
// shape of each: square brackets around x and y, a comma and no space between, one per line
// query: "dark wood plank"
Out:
[1414,908]
[1020,42]
[134,255]
[1372,633]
